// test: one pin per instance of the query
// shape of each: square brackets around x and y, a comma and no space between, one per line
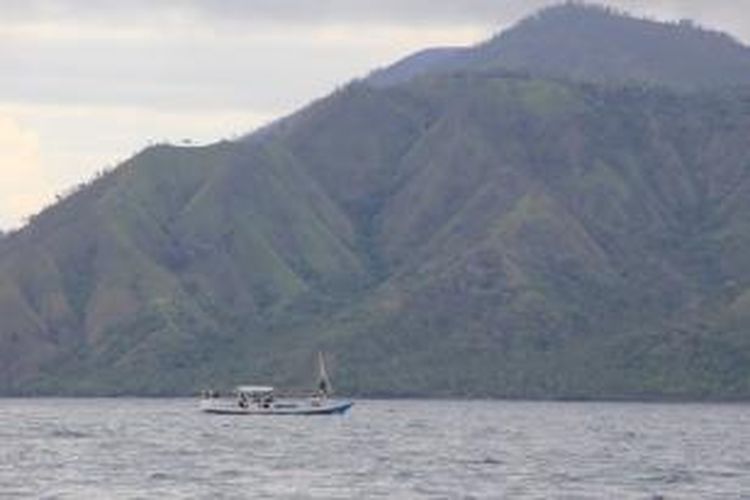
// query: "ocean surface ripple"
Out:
[165,448]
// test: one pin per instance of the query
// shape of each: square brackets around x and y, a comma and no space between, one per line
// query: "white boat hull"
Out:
[291,407]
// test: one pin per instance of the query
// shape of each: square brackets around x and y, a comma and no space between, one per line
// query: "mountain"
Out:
[593,43]
[428,61]
[473,232]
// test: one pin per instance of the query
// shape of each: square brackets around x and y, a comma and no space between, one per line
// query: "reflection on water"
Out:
[131,448]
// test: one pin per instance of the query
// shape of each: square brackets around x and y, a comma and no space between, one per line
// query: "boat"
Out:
[265,400]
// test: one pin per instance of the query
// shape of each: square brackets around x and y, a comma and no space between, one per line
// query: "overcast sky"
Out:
[86,83]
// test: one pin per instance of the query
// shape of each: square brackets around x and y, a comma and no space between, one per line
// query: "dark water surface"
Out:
[134,448]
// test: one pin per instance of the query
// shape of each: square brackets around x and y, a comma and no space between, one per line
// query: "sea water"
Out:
[165,448]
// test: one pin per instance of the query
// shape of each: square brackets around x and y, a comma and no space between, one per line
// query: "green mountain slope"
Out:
[166,256]
[475,232]
[570,233]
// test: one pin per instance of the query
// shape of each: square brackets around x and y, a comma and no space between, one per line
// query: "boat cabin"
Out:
[257,395]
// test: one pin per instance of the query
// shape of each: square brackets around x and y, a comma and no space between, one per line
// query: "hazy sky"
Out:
[86,83]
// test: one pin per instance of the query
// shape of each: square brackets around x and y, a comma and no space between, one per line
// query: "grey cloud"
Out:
[308,11]
[726,14]
[411,11]
[441,11]
[261,78]
[177,71]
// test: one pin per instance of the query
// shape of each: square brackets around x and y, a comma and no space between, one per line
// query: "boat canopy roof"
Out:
[254,389]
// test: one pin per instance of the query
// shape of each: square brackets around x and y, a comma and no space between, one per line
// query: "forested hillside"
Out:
[472,230]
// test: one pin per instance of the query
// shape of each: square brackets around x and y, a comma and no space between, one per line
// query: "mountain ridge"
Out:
[590,42]
[482,232]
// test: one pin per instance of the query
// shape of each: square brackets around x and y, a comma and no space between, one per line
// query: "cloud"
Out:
[266,69]
[22,181]
[308,12]
[276,11]
[60,146]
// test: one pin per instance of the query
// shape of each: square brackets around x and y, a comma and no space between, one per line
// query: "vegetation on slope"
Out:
[472,231]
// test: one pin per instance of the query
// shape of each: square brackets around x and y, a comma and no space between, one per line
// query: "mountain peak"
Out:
[576,14]
[592,42]
[575,7]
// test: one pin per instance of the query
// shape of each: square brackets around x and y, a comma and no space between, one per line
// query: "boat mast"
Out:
[324,383]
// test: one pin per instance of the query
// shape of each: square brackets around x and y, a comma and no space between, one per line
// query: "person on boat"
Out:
[323,388]
[267,400]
